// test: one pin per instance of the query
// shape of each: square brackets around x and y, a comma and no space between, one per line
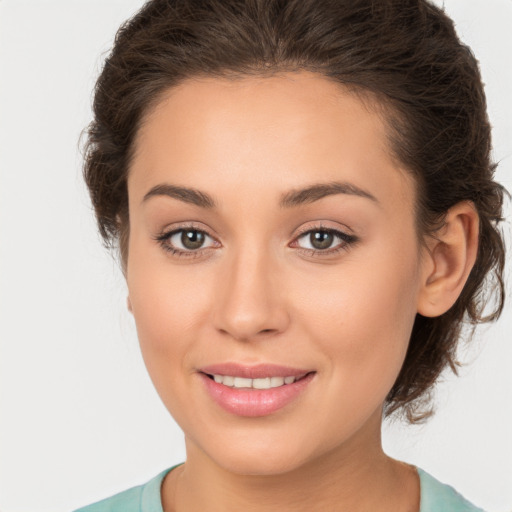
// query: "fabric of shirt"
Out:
[435,497]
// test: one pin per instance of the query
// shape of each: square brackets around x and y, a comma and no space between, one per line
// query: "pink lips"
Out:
[254,402]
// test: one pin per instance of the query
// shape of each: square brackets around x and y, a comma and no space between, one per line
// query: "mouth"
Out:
[259,383]
[253,391]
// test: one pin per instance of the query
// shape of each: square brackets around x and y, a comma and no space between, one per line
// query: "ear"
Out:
[129,304]
[448,259]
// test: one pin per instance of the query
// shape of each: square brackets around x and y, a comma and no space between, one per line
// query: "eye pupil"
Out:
[321,239]
[192,239]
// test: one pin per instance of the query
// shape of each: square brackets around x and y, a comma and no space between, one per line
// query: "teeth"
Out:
[228,381]
[240,382]
[264,383]
[275,382]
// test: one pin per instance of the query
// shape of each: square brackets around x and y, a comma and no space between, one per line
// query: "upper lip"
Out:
[258,371]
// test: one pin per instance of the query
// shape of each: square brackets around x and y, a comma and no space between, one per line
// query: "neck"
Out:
[357,476]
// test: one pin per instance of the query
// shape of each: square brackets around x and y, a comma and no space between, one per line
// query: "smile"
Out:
[254,391]
[246,383]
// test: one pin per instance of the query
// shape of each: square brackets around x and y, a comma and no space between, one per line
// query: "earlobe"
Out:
[448,260]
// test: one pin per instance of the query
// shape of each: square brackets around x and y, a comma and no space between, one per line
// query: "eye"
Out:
[186,241]
[324,240]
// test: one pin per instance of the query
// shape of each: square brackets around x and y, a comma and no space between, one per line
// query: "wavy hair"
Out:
[404,53]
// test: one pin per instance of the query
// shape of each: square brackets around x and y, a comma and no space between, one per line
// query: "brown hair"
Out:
[404,52]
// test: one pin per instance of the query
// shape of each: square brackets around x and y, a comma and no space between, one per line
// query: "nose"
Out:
[250,303]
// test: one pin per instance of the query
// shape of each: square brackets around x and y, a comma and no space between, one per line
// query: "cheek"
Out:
[170,306]
[362,314]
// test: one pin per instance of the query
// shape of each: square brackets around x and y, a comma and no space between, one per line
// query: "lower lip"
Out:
[255,402]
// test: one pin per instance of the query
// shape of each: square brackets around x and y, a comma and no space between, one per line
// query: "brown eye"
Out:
[186,240]
[327,241]
[321,239]
[192,239]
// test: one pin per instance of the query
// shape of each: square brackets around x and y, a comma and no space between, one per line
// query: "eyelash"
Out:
[164,240]
[346,241]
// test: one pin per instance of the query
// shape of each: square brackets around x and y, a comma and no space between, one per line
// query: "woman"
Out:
[303,199]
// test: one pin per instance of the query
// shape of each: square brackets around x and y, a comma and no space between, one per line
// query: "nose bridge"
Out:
[249,303]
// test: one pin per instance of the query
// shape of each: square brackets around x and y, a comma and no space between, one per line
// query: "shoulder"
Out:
[143,497]
[127,501]
[439,497]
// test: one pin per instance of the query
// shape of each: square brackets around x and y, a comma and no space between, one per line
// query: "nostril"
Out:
[267,331]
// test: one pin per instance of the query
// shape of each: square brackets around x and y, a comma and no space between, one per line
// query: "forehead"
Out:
[278,131]
[303,101]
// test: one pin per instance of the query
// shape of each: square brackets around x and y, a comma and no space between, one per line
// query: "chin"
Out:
[244,453]
[261,464]
[268,453]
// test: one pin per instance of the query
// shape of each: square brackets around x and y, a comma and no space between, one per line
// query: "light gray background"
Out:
[79,417]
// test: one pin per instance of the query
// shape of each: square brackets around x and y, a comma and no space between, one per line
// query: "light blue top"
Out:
[435,497]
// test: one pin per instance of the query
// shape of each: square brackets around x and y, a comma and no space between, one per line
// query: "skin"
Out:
[256,292]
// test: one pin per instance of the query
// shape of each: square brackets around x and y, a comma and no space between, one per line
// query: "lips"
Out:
[253,391]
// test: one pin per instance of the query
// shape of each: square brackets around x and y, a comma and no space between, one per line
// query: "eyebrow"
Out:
[185,194]
[320,190]
[290,199]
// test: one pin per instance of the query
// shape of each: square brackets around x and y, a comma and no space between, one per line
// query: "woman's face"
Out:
[272,235]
